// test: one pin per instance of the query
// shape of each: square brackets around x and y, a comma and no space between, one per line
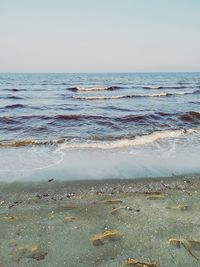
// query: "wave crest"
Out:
[134,96]
[15,106]
[125,143]
[93,89]
[154,87]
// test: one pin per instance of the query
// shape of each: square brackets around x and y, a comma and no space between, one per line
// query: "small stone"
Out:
[99,193]
[70,195]
[45,195]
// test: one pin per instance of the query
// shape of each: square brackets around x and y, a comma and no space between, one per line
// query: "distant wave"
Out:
[73,117]
[14,97]
[133,96]
[115,97]
[15,106]
[14,89]
[154,87]
[116,108]
[125,143]
[91,89]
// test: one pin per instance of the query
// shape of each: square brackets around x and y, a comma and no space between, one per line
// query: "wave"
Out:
[15,90]
[116,108]
[156,116]
[73,117]
[120,96]
[126,143]
[61,120]
[21,120]
[134,96]
[154,87]
[15,106]
[140,140]
[191,116]
[93,89]
[24,143]
[138,118]
[101,97]
[14,97]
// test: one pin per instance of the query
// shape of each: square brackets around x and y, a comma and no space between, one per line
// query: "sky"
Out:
[99,35]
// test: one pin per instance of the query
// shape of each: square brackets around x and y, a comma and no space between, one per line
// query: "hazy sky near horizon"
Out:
[99,35]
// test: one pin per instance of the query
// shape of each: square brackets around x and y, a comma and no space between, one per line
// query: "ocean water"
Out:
[99,126]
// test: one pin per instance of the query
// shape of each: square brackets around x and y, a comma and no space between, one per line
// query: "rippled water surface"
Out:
[90,126]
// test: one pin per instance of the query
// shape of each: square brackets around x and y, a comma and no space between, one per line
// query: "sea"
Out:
[86,126]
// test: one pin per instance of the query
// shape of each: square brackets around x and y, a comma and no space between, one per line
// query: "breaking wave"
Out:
[154,87]
[139,140]
[93,89]
[134,96]
[125,143]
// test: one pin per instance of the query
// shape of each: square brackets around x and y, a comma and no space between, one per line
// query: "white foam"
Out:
[155,95]
[91,89]
[125,143]
[131,96]
[100,97]
[118,96]
[154,87]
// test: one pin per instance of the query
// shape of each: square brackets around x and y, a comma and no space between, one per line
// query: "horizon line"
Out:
[96,72]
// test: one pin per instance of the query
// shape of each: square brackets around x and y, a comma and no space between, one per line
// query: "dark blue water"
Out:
[49,120]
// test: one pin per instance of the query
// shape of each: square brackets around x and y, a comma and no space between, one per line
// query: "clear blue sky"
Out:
[99,35]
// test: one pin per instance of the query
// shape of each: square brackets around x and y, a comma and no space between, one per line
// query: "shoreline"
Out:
[110,186]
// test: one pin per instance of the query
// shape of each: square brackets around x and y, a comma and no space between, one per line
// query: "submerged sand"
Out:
[145,223]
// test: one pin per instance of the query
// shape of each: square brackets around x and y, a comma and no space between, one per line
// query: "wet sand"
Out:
[151,222]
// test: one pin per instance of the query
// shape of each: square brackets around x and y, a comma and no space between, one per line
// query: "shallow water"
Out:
[94,126]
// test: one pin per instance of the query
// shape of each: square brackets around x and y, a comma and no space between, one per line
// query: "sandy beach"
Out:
[145,222]
[99,133]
